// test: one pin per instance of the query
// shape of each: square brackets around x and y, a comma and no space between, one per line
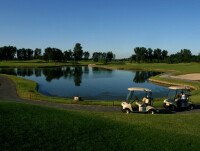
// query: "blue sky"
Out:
[101,25]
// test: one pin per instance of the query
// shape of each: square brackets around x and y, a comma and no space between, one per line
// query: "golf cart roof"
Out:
[138,89]
[179,88]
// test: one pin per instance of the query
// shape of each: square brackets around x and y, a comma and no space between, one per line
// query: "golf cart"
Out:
[172,103]
[140,107]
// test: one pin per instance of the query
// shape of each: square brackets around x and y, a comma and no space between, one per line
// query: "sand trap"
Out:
[193,76]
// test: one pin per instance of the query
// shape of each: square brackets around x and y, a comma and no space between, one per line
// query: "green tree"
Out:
[37,53]
[29,53]
[141,54]
[109,56]
[58,55]
[157,54]
[185,55]
[150,54]
[164,54]
[68,55]
[86,55]
[95,56]
[78,52]
[7,52]
[48,54]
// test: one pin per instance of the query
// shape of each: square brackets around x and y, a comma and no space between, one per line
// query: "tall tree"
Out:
[37,53]
[150,54]
[29,54]
[58,55]
[109,55]
[164,54]
[19,54]
[86,55]
[157,54]
[185,55]
[78,52]
[141,54]
[7,52]
[68,55]
[48,54]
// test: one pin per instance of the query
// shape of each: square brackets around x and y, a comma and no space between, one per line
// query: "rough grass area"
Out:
[29,127]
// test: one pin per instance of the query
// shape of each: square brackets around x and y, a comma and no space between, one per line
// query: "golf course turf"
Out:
[24,127]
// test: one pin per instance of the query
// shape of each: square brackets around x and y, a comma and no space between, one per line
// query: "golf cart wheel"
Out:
[127,111]
[123,111]
[151,112]
[191,107]
[164,105]
[172,108]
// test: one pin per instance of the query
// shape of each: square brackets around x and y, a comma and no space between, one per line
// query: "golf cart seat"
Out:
[146,101]
[139,104]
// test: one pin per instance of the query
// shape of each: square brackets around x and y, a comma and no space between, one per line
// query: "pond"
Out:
[87,82]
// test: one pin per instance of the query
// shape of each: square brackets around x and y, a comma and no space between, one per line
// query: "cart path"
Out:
[8,92]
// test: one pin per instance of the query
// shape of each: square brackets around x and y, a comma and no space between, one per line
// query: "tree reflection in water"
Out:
[70,73]
[142,76]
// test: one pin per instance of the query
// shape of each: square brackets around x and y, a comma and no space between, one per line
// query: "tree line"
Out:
[149,55]
[142,55]
[103,57]
[50,54]
[53,54]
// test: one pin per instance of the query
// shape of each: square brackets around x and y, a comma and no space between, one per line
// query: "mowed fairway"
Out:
[25,127]
[180,68]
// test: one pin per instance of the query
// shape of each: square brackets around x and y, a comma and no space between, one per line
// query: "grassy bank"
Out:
[24,127]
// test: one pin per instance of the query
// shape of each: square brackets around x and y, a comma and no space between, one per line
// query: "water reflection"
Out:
[71,72]
[142,76]
[87,82]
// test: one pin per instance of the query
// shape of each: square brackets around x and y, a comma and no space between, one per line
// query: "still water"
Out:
[87,82]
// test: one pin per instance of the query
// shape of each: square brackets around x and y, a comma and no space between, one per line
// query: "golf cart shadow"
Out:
[195,110]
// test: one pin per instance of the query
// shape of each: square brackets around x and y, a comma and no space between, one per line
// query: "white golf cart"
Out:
[140,107]
[172,103]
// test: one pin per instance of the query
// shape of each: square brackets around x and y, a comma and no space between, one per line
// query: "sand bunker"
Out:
[193,76]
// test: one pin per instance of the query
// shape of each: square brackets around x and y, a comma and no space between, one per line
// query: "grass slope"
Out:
[25,127]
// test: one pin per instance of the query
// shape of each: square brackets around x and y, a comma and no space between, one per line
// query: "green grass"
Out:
[181,68]
[40,63]
[30,127]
